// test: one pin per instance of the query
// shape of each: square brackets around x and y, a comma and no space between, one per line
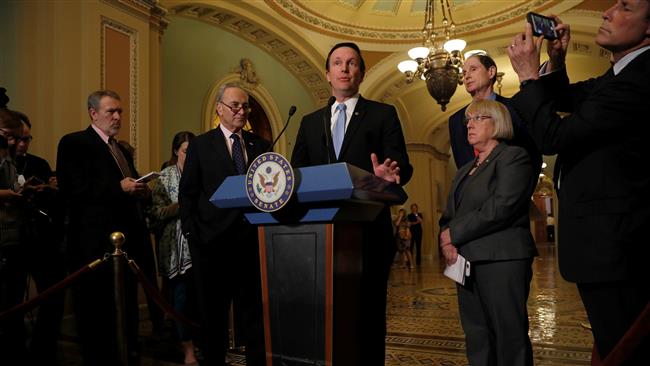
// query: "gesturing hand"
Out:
[388,170]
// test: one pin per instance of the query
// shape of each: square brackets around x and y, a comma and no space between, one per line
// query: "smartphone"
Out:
[542,26]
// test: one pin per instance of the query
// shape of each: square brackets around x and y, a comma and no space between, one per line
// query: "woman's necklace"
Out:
[477,164]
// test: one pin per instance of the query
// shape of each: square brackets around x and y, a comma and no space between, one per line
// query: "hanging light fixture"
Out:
[439,64]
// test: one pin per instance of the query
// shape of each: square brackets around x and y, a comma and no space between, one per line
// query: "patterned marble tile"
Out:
[424,327]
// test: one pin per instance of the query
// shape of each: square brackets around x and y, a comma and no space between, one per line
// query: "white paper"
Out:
[148,177]
[459,270]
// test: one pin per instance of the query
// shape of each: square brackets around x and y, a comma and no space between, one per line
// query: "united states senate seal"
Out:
[269,182]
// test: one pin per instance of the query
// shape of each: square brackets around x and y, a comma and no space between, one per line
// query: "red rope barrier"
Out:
[157,297]
[63,284]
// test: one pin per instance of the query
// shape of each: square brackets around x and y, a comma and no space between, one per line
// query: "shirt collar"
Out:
[350,104]
[625,60]
[227,132]
[101,133]
[492,96]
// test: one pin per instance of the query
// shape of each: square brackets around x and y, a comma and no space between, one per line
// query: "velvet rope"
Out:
[157,297]
[63,284]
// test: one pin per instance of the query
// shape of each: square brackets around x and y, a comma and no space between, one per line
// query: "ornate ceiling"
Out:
[299,33]
[400,21]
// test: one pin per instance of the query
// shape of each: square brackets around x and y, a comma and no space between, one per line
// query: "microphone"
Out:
[327,116]
[292,111]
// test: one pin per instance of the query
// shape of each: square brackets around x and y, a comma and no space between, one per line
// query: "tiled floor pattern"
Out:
[424,328]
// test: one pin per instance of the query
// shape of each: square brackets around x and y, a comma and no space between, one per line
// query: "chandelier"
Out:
[440,65]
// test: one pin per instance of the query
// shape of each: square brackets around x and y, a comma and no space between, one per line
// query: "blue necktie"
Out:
[339,130]
[238,154]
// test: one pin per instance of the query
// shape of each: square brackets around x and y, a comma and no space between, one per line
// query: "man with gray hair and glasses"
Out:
[223,245]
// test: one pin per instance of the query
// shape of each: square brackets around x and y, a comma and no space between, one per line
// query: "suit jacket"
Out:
[601,167]
[89,184]
[464,152]
[488,218]
[207,165]
[374,127]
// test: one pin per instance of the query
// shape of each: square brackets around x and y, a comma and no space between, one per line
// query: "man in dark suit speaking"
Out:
[223,245]
[601,172]
[366,134]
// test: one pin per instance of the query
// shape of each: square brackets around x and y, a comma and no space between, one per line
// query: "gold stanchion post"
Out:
[117,238]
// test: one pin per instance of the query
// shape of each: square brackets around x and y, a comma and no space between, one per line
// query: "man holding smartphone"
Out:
[601,173]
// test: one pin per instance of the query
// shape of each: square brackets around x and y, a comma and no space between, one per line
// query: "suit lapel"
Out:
[462,172]
[103,147]
[253,150]
[218,141]
[355,122]
[480,169]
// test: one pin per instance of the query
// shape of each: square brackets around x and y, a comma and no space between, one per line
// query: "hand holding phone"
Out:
[542,26]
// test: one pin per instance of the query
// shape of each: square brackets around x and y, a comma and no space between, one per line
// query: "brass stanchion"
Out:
[117,238]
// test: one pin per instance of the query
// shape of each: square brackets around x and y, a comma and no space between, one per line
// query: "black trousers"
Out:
[493,313]
[13,281]
[227,270]
[612,308]
[47,269]
[379,250]
[416,243]
[94,309]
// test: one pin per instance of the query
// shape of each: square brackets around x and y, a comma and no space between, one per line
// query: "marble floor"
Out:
[424,327]
[423,323]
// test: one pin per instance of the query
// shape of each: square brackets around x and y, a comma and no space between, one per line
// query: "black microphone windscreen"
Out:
[292,110]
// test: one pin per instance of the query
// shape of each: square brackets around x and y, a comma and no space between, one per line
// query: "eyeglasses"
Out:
[236,108]
[25,139]
[476,119]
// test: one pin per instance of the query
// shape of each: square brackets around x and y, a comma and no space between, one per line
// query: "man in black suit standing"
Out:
[601,173]
[479,76]
[223,245]
[96,178]
[366,134]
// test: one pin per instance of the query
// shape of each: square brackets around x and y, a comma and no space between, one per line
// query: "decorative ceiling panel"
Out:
[298,63]
[401,21]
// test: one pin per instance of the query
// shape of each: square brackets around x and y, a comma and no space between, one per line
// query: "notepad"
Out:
[148,177]
[459,270]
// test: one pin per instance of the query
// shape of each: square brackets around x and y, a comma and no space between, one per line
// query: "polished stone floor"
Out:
[423,323]
[424,327]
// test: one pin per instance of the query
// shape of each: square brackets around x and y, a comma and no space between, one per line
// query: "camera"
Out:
[542,26]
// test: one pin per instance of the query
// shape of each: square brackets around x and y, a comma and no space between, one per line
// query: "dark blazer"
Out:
[374,127]
[89,183]
[464,152]
[489,221]
[602,167]
[207,165]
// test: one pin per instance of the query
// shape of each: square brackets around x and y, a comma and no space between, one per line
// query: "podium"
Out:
[311,261]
